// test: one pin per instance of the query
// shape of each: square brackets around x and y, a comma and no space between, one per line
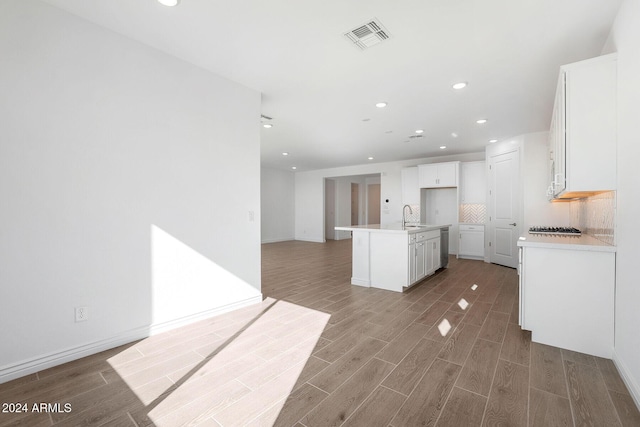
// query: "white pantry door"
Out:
[504,212]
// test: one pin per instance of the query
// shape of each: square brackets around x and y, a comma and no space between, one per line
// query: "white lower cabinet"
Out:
[432,255]
[567,298]
[424,255]
[471,241]
[421,265]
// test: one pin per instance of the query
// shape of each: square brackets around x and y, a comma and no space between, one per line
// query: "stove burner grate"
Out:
[569,231]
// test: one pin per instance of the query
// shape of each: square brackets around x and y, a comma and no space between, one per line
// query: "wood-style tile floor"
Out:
[321,352]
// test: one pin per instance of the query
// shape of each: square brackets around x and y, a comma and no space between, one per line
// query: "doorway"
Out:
[330,209]
[373,203]
[347,202]
[355,203]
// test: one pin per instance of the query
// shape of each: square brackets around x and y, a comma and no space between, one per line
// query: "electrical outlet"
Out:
[82,314]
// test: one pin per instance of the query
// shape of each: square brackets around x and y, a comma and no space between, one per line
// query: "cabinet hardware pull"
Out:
[514,224]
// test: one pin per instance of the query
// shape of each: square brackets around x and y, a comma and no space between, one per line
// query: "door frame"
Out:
[513,145]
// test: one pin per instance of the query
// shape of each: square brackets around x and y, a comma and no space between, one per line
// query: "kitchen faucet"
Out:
[404,221]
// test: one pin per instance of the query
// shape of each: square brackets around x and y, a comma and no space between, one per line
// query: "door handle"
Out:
[514,224]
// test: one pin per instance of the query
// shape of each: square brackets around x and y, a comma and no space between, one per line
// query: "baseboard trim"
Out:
[39,363]
[313,240]
[283,239]
[628,379]
[361,282]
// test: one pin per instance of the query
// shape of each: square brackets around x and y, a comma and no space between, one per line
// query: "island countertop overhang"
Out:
[393,228]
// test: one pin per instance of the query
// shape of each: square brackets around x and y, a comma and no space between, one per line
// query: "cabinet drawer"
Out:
[477,227]
[425,235]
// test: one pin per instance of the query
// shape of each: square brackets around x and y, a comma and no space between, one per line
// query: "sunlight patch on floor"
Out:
[232,368]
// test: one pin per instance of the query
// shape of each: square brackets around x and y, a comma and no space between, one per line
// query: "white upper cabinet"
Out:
[436,175]
[582,139]
[410,187]
[473,182]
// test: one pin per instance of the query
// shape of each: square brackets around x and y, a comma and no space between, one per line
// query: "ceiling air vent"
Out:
[367,35]
[415,136]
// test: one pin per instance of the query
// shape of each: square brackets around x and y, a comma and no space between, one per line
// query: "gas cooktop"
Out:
[566,231]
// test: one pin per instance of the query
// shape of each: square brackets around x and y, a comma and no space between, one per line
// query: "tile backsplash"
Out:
[473,213]
[595,216]
[414,217]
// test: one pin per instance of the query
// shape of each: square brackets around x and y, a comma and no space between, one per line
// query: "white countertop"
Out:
[580,243]
[393,228]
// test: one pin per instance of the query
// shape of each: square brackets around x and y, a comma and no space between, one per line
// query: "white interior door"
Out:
[504,212]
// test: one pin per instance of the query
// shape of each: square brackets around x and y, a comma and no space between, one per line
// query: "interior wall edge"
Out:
[627,377]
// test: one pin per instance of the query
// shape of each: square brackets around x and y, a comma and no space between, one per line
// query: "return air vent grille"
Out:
[367,35]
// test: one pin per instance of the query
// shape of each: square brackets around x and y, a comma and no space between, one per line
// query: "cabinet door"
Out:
[590,126]
[472,243]
[410,186]
[521,293]
[558,138]
[421,270]
[433,255]
[412,263]
[436,253]
[428,176]
[447,175]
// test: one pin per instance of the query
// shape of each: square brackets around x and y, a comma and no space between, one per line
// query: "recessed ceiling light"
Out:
[442,147]
[460,85]
[267,125]
[454,135]
[169,2]
[481,121]
[285,154]
[493,140]
[293,167]
[419,131]
[381,104]
[369,158]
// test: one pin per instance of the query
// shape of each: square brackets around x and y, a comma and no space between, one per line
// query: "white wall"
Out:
[277,205]
[343,203]
[625,38]
[309,192]
[126,180]
[535,175]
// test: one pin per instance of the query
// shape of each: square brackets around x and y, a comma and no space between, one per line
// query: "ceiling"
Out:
[321,90]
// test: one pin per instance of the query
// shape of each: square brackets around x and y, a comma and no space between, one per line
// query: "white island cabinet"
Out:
[392,257]
[567,291]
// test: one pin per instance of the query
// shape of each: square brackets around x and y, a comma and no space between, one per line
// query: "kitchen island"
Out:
[393,257]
